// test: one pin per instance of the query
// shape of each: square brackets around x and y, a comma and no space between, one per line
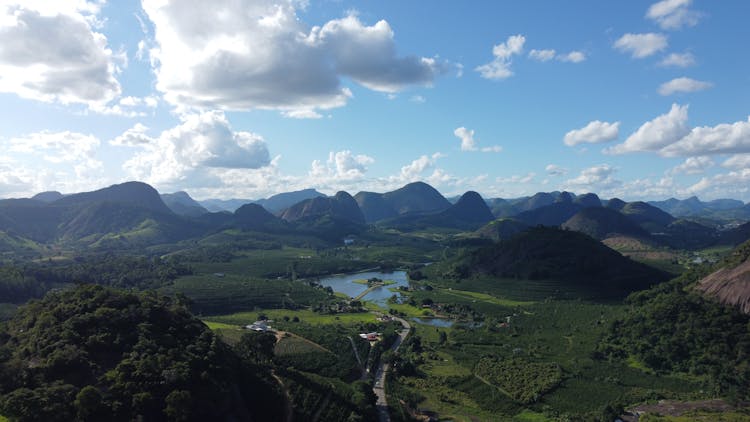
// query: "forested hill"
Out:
[566,256]
[94,353]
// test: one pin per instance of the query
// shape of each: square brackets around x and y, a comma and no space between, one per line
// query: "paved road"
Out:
[382,371]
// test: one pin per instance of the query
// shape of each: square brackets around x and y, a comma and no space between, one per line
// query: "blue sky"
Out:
[231,98]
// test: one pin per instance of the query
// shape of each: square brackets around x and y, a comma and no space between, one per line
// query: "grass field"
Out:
[305,316]
[213,294]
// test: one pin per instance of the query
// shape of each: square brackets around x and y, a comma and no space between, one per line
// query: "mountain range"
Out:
[134,213]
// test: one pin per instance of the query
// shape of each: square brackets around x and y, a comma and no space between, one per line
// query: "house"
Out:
[260,326]
[220,275]
[370,336]
[348,241]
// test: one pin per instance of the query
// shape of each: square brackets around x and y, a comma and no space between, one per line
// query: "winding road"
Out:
[382,371]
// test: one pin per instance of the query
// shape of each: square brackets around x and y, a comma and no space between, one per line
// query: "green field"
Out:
[305,316]
[212,294]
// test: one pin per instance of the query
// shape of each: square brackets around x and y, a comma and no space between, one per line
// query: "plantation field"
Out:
[283,318]
[698,417]
[554,339]
[293,345]
[211,294]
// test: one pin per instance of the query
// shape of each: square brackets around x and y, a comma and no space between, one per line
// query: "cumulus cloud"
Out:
[517,178]
[242,55]
[202,142]
[737,161]
[59,147]
[499,67]
[641,45]
[678,60]
[656,134]
[724,138]
[693,165]
[555,170]
[673,14]
[414,170]
[595,132]
[679,85]
[341,166]
[50,51]
[549,54]
[572,57]
[468,143]
[542,55]
[135,136]
[733,184]
[598,178]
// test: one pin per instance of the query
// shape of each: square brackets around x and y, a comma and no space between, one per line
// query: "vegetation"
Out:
[93,353]
[523,381]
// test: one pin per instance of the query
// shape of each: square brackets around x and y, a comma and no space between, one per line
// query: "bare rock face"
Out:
[730,286]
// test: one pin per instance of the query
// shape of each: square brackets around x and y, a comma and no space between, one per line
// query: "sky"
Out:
[245,99]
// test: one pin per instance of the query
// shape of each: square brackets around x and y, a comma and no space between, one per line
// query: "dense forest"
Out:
[672,328]
[95,353]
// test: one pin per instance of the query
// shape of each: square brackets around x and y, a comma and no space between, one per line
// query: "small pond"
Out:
[346,284]
[435,322]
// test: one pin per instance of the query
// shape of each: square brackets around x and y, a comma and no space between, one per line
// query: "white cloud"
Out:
[737,161]
[683,84]
[598,178]
[189,152]
[135,136]
[555,170]
[542,55]
[693,165]
[733,185]
[724,138]
[419,99]
[341,166]
[242,55]
[468,143]
[467,139]
[641,45]
[49,51]
[494,148]
[414,170]
[59,147]
[302,114]
[572,57]
[678,60]
[527,178]
[499,67]
[673,14]
[595,132]
[656,134]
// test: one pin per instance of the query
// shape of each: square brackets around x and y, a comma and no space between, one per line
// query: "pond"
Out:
[435,322]
[347,285]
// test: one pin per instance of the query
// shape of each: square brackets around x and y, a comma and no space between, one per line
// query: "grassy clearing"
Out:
[212,294]
[475,296]
[305,316]
[292,345]
[530,416]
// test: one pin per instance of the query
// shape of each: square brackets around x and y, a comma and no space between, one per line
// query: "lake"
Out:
[345,284]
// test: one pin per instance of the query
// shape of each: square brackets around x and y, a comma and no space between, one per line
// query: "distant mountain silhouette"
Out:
[501,229]
[285,200]
[648,216]
[182,204]
[549,215]
[417,197]
[588,200]
[468,213]
[49,196]
[134,211]
[340,206]
[695,207]
[601,223]
[254,217]
[374,206]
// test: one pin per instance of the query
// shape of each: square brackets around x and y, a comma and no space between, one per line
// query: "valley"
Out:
[529,317]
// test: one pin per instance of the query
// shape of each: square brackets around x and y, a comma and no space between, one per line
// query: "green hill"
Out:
[182,204]
[648,216]
[339,207]
[502,229]
[93,353]
[569,257]
[601,223]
